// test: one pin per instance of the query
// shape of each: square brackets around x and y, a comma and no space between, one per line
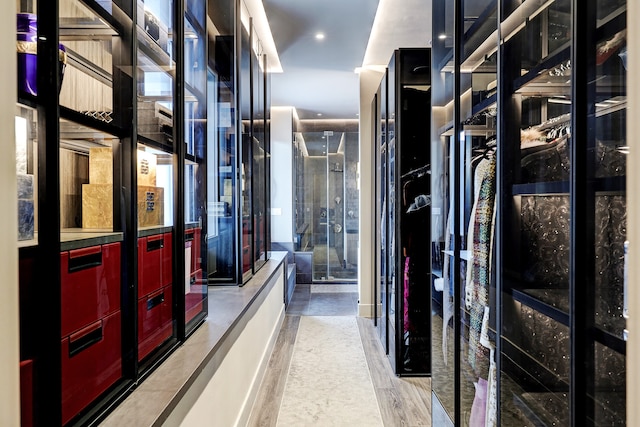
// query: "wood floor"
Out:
[403,401]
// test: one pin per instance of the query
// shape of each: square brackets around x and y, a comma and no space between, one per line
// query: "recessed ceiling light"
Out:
[319,36]
[442,36]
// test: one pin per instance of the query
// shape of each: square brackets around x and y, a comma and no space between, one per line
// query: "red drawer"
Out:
[155,321]
[246,259]
[154,263]
[193,235]
[91,363]
[26,393]
[90,285]
[167,260]
[195,298]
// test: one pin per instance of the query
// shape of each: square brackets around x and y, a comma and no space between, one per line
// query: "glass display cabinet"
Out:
[112,163]
[404,212]
[128,198]
[530,107]
[70,135]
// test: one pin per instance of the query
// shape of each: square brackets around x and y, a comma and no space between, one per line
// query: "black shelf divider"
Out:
[541,188]
[540,306]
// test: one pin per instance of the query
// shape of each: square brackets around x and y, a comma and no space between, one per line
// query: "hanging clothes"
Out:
[481,260]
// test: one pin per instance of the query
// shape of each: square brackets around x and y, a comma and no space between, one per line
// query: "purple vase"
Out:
[27,47]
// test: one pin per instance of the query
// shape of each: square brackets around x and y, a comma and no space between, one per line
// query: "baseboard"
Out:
[366,310]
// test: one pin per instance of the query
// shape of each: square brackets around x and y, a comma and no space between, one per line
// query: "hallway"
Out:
[315,311]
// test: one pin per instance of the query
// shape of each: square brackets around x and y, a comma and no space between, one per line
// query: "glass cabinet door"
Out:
[476,161]
[393,274]
[195,167]
[259,154]
[91,229]
[155,176]
[246,165]
[443,265]
[607,153]
[536,339]
[222,140]
[382,216]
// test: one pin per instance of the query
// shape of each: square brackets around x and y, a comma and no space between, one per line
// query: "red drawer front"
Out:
[167,260]
[154,263]
[193,235]
[197,250]
[26,393]
[155,321]
[195,298]
[90,285]
[246,259]
[91,363]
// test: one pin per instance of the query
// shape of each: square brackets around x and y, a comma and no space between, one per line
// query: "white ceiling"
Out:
[319,77]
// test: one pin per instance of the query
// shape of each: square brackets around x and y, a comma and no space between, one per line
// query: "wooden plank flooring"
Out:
[403,401]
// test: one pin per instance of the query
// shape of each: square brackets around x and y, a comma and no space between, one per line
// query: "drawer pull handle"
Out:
[155,301]
[85,338]
[154,245]
[82,259]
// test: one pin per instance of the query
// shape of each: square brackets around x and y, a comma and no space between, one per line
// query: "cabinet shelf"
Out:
[84,65]
[77,124]
[142,139]
[614,185]
[534,299]
[538,81]
[154,57]
[485,104]
[559,312]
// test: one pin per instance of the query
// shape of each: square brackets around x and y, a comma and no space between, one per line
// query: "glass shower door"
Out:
[328,202]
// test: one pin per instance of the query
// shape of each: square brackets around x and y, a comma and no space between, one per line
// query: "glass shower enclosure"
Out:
[326,202]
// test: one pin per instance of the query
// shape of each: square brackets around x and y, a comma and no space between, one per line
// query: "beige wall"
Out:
[282,190]
[9,350]
[369,82]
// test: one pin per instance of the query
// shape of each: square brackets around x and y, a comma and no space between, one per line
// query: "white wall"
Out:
[633,213]
[228,398]
[369,82]
[9,332]
[282,174]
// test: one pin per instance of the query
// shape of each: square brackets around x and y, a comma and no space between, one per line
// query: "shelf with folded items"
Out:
[89,38]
